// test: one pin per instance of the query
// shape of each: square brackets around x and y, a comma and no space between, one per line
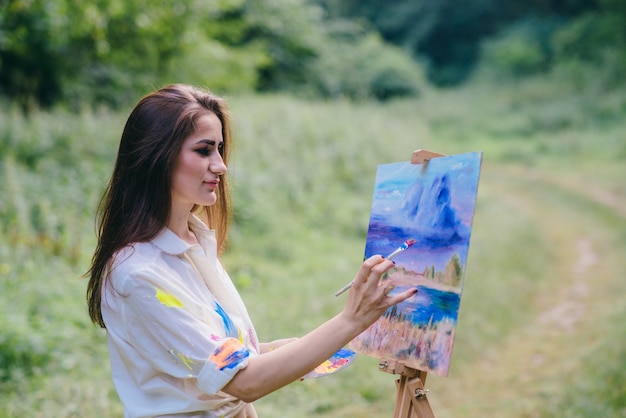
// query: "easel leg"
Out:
[419,401]
[411,400]
[403,404]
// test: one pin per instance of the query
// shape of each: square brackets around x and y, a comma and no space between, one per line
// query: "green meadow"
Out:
[541,326]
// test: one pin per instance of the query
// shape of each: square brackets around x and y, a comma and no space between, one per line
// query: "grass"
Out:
[541,318]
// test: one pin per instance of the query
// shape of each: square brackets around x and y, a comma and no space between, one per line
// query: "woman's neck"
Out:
[179,224]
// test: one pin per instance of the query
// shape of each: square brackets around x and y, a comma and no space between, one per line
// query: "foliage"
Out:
[28,70]
[207,62]
[102,53]
[287,46]
[359,65]
[84,53]
[587,49]
[595,40]
[303,173]
[447,35]
[92,52]
[22,352]
[292,33]
[523,49]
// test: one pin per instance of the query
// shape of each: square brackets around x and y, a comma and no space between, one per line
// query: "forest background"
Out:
[322,92]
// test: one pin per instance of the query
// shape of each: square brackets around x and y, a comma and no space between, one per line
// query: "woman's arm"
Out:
[273,345]
[367,301]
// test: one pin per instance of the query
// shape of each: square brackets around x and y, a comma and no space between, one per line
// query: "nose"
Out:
[217,166]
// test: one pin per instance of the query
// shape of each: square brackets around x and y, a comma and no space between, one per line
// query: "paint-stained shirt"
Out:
[177,328]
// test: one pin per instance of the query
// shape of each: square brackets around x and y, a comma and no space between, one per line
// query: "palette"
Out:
[338,361]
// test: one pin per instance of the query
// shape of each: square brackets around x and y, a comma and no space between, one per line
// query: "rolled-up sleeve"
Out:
[178,332]
[225,361]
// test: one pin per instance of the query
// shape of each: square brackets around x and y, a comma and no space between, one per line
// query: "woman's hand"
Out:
[294,358]
[368,299]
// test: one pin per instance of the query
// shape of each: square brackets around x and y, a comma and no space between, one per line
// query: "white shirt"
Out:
[177,328]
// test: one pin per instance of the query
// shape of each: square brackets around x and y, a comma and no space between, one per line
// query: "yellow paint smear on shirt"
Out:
[168,300]
[187,361]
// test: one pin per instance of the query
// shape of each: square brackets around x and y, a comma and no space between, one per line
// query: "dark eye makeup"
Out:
[207,146]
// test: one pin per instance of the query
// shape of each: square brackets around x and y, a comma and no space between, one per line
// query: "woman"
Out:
[180,339]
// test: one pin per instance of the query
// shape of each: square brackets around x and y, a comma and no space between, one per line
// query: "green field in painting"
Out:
[542,314]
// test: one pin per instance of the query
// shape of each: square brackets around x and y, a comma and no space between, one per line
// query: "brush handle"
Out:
[389,257]
[397,251]
[344,289]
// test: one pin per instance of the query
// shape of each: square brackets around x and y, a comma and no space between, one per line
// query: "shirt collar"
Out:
[170,243]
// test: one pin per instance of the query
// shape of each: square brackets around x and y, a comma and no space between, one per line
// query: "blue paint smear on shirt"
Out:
[229,325]
[236,358]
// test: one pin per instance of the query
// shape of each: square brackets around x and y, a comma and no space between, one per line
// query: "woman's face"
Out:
[199,165]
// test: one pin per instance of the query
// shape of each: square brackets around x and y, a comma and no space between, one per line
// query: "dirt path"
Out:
[530,366]
[565,315]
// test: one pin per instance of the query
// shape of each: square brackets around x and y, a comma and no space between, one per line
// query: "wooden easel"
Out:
[422,156]
[411,399]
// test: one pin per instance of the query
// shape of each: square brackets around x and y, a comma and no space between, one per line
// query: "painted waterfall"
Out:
[434,205]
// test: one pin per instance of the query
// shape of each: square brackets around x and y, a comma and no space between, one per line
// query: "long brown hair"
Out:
[137,201]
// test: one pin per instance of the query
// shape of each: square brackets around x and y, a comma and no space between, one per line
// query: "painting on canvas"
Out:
[432,204]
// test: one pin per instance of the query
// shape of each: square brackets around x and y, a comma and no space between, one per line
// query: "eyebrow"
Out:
[208,142]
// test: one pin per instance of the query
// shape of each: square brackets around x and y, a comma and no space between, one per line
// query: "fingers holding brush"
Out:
[408,243]
[367,299]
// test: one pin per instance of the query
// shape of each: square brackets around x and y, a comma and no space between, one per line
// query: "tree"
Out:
[446,33]
[93,52]
[29,70]
[454,271]
[120,47]
[290,32]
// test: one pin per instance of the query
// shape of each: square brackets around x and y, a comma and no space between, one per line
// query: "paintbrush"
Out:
[406,244]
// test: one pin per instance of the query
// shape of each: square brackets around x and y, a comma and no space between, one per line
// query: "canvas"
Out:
[432,204]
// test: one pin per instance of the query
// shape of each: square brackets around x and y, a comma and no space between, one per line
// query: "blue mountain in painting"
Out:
[429,212]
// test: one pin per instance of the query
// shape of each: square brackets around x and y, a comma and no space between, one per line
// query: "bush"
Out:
[521,50]
[23,352]
[363,66]
[589,49]
[594,40]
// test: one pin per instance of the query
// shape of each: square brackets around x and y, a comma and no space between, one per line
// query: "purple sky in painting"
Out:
[390,225]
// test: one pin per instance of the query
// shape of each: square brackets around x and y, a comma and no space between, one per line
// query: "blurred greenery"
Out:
[448,36]
[322,93]
[542,300]
[100,53]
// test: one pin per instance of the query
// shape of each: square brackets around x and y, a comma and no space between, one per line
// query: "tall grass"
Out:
[303,174]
